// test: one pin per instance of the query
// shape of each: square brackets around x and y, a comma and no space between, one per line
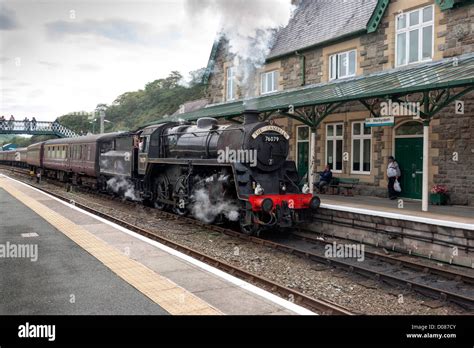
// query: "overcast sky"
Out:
[59,56]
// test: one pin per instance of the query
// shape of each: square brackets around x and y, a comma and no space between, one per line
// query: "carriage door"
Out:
[143,147]
[302,151]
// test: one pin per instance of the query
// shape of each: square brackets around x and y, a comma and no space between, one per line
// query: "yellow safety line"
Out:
[168,295]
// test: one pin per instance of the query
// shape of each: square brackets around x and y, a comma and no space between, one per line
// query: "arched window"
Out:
[409,128]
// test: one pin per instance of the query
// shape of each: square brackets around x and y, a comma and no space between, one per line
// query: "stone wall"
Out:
[454,135]
[376,52]
[459,34]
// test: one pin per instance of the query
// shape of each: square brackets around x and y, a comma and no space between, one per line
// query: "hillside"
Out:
[132,110]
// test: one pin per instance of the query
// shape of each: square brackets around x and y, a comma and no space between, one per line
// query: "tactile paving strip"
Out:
[168,295]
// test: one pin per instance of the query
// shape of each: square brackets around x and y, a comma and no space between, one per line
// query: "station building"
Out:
[339,63]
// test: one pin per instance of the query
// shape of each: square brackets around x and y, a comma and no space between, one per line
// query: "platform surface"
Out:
[86,265]
[443,215]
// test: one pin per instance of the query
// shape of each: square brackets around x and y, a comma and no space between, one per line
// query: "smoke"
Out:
[122,187]
[206,209]
[248,25]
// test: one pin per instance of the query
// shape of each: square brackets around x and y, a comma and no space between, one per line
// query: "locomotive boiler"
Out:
[242,168]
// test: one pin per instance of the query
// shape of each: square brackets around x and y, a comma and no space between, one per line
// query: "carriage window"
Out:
[123,143]
[89,152]
[143,144]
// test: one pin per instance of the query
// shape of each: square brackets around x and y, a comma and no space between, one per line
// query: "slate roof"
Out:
[317,21]
[399,81]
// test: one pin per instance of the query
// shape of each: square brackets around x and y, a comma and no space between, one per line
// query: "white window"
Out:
[361,148]
[414,40]
[342,65]
[230,90]
[334,146]
[269,82]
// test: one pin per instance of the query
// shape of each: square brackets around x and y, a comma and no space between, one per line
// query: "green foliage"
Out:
[24,141]
[77,122]
[132,110]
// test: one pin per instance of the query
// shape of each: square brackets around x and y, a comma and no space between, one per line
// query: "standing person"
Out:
[11,122]
[26,122]
[325,178]
[2,122]
[33,123]
[393,173]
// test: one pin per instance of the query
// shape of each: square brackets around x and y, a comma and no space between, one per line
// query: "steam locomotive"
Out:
[215,172]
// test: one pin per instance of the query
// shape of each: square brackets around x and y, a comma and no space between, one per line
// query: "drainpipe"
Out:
[312,159]
[303,67]
[426,153]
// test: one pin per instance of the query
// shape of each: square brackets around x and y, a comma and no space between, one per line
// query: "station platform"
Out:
[58,259]
[462,216]
[444,233]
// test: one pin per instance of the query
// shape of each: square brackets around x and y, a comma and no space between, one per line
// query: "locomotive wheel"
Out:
[251,230]
[162,192]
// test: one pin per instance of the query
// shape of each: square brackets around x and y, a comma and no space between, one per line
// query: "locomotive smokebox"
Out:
[251,116]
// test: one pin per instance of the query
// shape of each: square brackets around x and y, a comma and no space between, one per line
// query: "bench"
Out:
[346,184]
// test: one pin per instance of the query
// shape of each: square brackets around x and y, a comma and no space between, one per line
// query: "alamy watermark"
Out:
[345,251]
[237,156]
[37,331]
[25,251]
[392,108]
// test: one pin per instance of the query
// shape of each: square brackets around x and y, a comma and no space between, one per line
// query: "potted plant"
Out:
[439,195]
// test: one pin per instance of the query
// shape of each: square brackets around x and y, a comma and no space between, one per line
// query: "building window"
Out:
[230,89]
[334,146]
[361,148]
[269,82]
[342,65]
[302,148]
[414,40]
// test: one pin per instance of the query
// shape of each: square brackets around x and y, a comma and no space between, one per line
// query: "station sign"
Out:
[380,121]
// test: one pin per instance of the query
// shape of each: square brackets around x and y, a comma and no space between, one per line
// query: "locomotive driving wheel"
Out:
[248,227]
[162,193]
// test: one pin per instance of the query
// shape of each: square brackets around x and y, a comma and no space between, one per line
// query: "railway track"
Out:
[314,304]
[400,271]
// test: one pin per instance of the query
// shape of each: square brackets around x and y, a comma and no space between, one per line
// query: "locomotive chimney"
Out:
[251,116]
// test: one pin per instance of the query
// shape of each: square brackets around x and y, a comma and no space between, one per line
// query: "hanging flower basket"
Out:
[439,195]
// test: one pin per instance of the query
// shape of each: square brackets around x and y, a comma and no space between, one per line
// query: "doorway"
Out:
[302,151]
[409,155]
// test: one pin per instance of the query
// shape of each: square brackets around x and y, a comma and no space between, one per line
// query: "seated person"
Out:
[324,178]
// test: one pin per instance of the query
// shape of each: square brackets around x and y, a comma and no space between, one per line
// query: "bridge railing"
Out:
[38,127]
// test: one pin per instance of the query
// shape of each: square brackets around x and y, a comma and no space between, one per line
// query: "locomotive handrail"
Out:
[36,128]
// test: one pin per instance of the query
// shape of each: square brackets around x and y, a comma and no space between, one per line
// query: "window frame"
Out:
[230,79]
[263,81]
[334,138]
[361,137]
[420,26]
[337,58]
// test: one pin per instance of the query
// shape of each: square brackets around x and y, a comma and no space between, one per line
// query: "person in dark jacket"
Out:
[393,173]
[324,178]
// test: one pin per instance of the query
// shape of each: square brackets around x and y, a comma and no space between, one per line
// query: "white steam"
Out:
[122,187]
[206,209]
[248,25]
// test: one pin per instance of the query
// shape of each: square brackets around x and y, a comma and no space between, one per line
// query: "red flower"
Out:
[439,189]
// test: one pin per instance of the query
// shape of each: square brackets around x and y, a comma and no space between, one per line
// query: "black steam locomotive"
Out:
[215,172]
